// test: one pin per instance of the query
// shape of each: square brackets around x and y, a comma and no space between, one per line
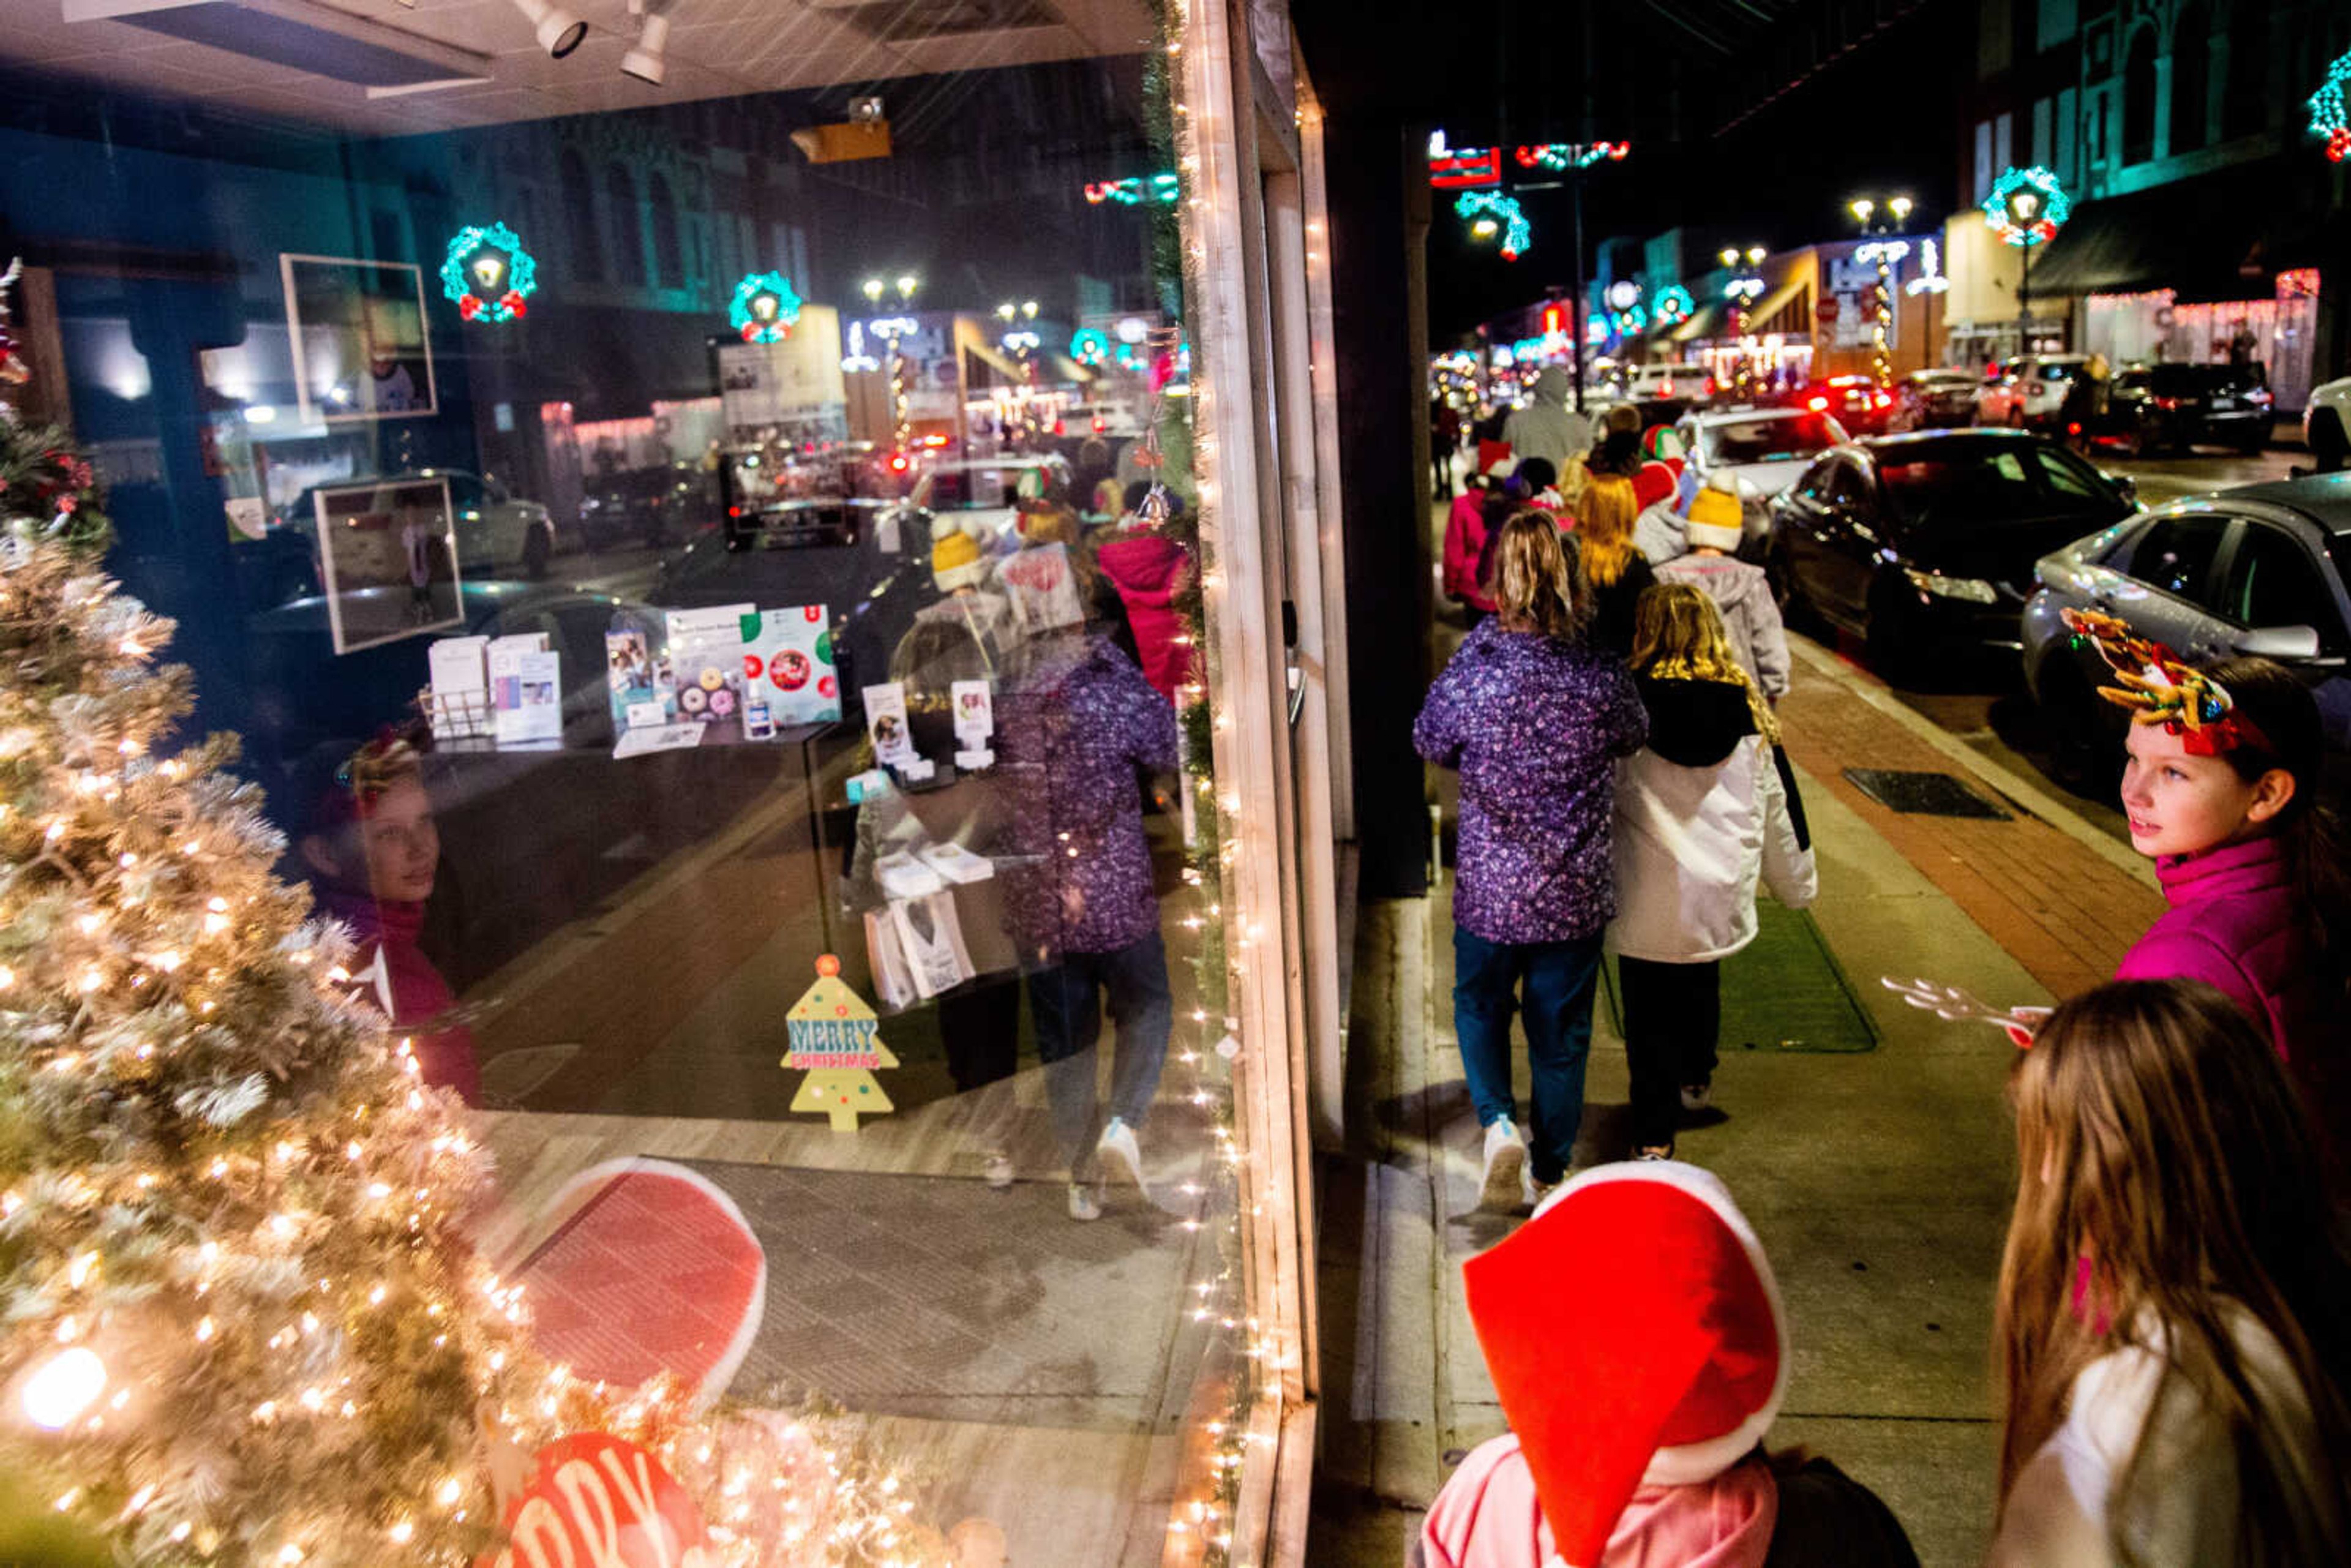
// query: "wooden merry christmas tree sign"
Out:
[837,1040]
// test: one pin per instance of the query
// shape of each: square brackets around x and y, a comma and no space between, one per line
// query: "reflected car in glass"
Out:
[1925,543]
[2259,570]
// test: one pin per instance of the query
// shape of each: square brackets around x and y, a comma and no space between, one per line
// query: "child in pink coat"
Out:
[1635,1336]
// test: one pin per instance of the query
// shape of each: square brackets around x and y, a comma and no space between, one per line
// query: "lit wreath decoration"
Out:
[1490,207]
[488,274]
[1673,304]
[764,308]
[2027,206]
[2327,111]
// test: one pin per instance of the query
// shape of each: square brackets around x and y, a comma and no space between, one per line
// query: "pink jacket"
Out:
[1487,1517]
[1465,542]
[1147,568]
[2236,921]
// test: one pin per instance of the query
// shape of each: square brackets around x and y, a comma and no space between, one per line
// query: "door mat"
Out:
[1923,794]
[920,1296]
[1783,991]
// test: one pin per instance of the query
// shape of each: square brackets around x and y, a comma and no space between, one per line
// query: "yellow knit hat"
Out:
[955,561]
[1717,520]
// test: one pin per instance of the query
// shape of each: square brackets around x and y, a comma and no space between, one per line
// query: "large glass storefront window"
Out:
[697,576]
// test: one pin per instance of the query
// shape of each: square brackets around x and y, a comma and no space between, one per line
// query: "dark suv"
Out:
[2154,407]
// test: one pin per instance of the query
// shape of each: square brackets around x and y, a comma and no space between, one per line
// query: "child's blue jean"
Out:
[1551,985]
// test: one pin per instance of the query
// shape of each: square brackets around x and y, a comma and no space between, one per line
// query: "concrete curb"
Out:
[2027,793]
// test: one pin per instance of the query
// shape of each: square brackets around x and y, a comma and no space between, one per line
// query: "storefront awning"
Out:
[1787,310]
[2126,244]
[1701,328]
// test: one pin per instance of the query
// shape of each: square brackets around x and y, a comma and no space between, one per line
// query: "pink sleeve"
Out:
[2163,955]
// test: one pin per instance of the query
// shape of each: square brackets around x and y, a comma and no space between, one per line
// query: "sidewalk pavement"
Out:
[1880,1183]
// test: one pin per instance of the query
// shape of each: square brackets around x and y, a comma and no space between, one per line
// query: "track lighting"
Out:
[644,61]
[557,30]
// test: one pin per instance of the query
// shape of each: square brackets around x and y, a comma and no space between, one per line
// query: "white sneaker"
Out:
[1085,1200]
[1697,1096]
[1118,1140]
[1502,1189]
[1000,1170]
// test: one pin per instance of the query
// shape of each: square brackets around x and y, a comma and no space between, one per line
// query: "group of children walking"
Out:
[2173,1313]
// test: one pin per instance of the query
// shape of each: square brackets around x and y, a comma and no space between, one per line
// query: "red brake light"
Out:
[734,511]
[2261,396]
[898,461]
[1818,405]
[1100,425]
[2074,430]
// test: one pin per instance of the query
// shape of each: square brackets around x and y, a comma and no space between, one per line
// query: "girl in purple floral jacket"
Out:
[1534,720]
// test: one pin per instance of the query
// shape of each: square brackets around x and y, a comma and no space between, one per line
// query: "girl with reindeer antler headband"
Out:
[2221,790]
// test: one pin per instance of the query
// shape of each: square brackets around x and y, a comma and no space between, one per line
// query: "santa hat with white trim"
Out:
[1634,1332]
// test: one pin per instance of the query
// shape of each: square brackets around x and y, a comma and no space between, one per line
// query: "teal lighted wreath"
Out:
[1089,347]
[1673,304]
[764,308]
[1490,213]
[488,274]
[2027,206]
[2327,116]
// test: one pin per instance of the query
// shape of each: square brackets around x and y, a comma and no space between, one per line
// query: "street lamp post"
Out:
[1738,297]
[2026,208]
[1884,218]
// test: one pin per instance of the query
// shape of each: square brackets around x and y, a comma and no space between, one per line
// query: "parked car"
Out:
[496,531]
[1755,453]
[1936,399]
[2326,425]
[2028,391]
[2151,408]
[304,693]
[1859,403]
[1649,383]
[1925,543]
[2258,570]
[645,505]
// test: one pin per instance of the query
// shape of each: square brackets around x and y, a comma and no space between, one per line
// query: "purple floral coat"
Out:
[1535,727]
[1078,726]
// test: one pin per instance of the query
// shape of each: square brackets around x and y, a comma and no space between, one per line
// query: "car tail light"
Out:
[1818,405]
[897,462]
[2074,429]
[2165,404]
[2261,397]
[1100,425]
[734,511]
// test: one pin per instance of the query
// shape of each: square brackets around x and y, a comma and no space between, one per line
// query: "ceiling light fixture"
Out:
[644,62]
[557,30]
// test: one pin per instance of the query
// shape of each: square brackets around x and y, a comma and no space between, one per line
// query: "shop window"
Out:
[669,261]
[628,226]
[2191,75]
[2140,98]
[579,218]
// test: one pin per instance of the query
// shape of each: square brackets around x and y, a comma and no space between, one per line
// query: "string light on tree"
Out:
[2327,113]
[765,309]
[487,274]
[1489,214]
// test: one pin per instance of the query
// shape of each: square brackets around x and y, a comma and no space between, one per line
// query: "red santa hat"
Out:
[1653,482]
[1634,1334]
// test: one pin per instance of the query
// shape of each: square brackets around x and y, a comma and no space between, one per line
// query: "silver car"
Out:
[2260,570]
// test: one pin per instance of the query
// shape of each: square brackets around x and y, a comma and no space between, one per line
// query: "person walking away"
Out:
[2252,862]
[1636,1339]
[2173,1315]
[1078,729]
[2084,405]
[1548,427]
[1532,720]
[1444,441]
[1702,817]
[1613,570]
[1148,568]
[1740,589]
[1465,546]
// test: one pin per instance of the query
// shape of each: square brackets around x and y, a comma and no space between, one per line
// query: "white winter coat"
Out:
[1701,820]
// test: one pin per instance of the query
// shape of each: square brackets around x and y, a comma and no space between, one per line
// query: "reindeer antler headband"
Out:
[2157,688]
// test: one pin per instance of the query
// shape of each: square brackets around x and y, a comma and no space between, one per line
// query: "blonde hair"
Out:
[1535,579]
[1677,635]
[1605,516]
[2167,1179]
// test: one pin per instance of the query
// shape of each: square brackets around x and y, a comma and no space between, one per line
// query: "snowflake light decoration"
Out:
[488,273]
[764,308]
[2027,206]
